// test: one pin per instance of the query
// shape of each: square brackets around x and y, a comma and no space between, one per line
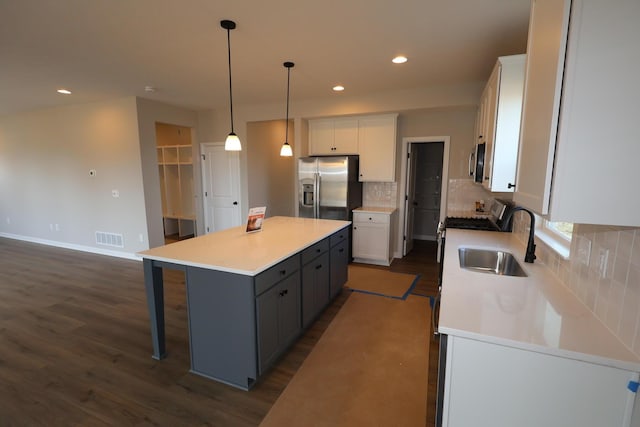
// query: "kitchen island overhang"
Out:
[246,292]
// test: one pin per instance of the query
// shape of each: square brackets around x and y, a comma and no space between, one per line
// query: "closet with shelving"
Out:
[175,167]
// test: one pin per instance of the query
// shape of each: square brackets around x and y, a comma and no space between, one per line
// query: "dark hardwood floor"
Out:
[75,347]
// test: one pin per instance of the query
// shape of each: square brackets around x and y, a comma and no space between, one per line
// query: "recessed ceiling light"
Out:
[64,91]
[399,60]
[338,88]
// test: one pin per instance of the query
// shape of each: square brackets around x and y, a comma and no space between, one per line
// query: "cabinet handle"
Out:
[283,272]
[510,185]
[283,293]
[318,267]
[318,250]
[341,250]
[355,228]
[370,219]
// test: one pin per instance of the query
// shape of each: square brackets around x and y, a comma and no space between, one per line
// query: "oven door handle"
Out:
[436,307]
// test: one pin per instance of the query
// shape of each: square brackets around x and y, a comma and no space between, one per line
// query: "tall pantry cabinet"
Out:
[175,167]
[579,146]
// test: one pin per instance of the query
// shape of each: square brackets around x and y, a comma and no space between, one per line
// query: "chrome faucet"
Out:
[531,246]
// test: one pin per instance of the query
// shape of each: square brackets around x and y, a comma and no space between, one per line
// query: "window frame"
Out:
[557,241]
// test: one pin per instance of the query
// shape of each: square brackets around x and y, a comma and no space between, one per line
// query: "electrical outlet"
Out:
[51,227]
[141,237]
[92,172]
[8,220]
[584,250]
[603,257]
[115,193]
[57,227]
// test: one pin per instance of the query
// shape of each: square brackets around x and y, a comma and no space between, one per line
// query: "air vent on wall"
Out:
[109,239]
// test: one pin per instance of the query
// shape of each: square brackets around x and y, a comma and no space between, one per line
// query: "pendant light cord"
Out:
[286,135]
[230,91]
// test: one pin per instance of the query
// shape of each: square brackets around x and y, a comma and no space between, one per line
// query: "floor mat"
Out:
[369,368]
[380,282]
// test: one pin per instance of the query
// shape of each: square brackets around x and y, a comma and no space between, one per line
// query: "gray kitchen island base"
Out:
[239,324]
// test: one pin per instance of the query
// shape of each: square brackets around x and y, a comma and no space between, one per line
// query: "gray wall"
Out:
[270,177]
[457,123]
[45,158]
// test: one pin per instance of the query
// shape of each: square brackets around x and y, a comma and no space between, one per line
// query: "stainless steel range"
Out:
[493,222]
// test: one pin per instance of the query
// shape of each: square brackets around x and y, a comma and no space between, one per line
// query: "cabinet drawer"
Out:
[314,250]
[374,218]
[338,237]
[273,275]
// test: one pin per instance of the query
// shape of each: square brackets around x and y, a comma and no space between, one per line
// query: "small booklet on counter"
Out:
[256,216]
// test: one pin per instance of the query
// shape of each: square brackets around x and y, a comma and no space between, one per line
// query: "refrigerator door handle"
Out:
[316,196]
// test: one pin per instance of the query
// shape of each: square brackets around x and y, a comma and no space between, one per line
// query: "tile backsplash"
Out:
[379,194]
[614,298]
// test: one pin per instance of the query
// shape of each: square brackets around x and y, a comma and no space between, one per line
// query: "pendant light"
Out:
[286,151]
[233,142]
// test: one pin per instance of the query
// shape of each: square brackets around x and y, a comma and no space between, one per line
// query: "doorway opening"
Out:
[175,167]
[424,179]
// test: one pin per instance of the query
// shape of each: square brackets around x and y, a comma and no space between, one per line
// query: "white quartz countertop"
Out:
[235,251]
[373,209]
[536,313]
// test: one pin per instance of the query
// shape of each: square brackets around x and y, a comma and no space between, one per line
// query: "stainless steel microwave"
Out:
[478,163]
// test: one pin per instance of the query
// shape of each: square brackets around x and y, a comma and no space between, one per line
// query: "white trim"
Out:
[557,244]
[403,183]
[74,247]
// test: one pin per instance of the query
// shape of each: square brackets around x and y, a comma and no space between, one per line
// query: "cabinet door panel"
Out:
[315,288]
[546,48]
[377,148]
[345,136]
[370,241]
[267,316]
[496,385]
[289,310]
[321,137]
[339,267]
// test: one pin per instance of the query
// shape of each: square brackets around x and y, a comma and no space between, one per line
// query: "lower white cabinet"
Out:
[372,236]
[494,385]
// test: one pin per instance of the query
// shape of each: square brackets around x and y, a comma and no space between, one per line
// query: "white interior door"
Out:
[409,200]
[220,187]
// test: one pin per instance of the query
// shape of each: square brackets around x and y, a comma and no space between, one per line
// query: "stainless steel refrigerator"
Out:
[328,187]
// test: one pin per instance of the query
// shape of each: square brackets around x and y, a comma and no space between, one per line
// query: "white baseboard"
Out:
[72,246]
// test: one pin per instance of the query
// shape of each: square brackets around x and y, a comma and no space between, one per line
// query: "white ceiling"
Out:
[114,48]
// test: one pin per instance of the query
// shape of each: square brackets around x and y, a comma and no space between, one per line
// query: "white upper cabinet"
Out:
[503,103]
[377,148]
[373,138]
[579,148]
[333,136]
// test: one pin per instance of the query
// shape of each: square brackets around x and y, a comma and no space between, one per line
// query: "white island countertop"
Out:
[235,251]
[536,313]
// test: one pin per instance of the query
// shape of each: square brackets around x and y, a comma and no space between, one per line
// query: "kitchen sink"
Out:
[490,261]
